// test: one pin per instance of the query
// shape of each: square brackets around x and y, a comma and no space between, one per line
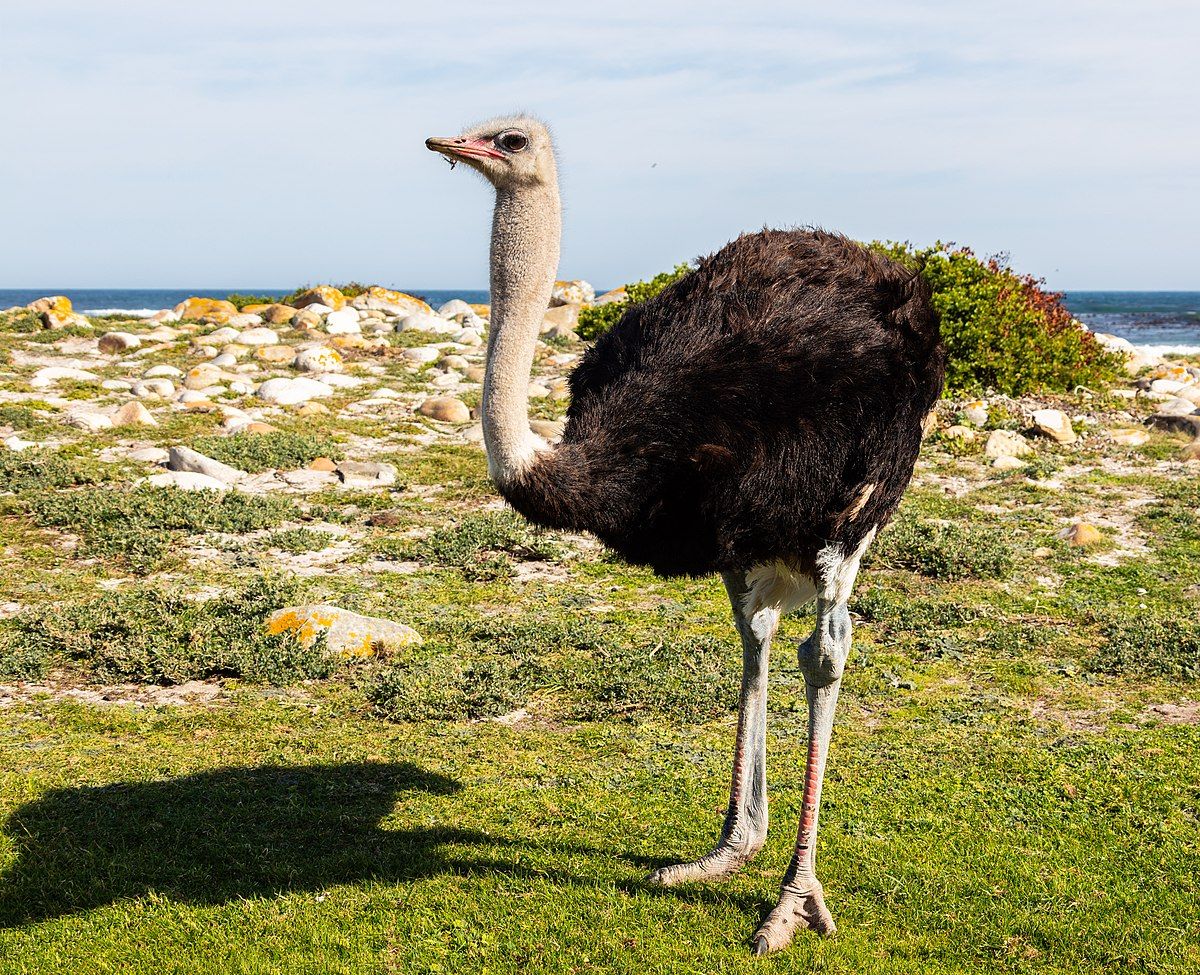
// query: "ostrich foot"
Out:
[722,862]
[793,912]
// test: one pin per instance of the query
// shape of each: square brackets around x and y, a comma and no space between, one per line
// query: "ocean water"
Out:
[1167,321]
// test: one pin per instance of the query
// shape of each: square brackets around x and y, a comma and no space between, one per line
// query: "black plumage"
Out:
[768,404]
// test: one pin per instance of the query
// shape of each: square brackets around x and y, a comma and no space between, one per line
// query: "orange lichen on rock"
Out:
[213,309]
[345,633]
[322,294]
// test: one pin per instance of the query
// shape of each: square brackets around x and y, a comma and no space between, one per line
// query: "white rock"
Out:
[1007,463]
[468,336]
[318,309]
[1166,386]
[157,372]
[1054,424]
[1178,407]
[245,320]
[225,360]
[88,420]
[258,336]
[338,381]
[288,392]
[344,322]
[421,322]
[1129,438]
[53,374]
[455,307]
[133,414]
[319,358]
[154,387]
[116,385]
[421,354]
[186,459]
[149,455]
[222,335]
[115,343]
[1003,443]
[15,443]
[186,481]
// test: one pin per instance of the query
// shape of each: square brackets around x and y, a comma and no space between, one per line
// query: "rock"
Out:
[256,426]
[959,432]
[975,414]
[221,335]
[277,314]
[1007,463]
[366,474]
[455,308]
[561,332]
[243,321]
[346,633]
[149,455]
[203,376]
[390,302]
[156,372]
[323,294]
[308,480]
[1177,407]
[455,362]
[186,481]
[1003,443]
[14,443]
[319,358]
[572,293]
[306,320]
[114,343]
[1129,437]
[1081,535]
[536,390]
[421,354]
[133,414]
[1054,424]
[50,375]
[275,354]
[549,430]
[288,392]
[57,305]
[322,464]
[210,308]
[312,409]
[116,386]
[186,459]
[257,336]
[344,322]
[154,387]
[1135,359]
[88,420]
[565,315]
[1166,386]
[468,336]
[421,322]
[475,374]
[350,342]
[447,409]
[612,297]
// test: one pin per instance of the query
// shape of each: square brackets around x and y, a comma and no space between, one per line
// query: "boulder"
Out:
[975,413]
[319,358]
[275,354]
[50,375]
[89,420]
[133,414]
[344,322]
[163,388]
[257,336]
[366,474]
[323,294]
[156,372]
[422,322]
[612,297]
[391,302]
[288,392]
[56,305]
[572,293]
[565,315]
[1003,443]
[1134,437]
[421,354]
[186,459]
[306,319]
[455,308]
[277,314]
[210,308]
[345,633]
[1054,424]
[203,376]
[447,409]
[114,343]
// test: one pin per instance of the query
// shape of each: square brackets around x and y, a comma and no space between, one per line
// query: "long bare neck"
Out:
[526,228]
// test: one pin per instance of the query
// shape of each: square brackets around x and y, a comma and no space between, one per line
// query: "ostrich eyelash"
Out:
[451,161]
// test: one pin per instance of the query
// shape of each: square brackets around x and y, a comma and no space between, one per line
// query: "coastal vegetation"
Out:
[189,785]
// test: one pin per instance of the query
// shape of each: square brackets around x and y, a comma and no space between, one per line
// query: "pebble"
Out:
[346,633]
[446,409]
[289,392]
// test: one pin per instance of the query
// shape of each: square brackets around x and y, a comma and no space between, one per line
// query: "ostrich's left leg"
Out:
[822,660]
[745,828]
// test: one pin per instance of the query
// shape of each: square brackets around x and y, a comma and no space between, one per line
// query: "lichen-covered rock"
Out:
[277,314]
[1081,535]
[57,305]
[1054,424]
[612,297]
[393,302]
[572,293]
[213,309]
[345,633]
[323,294]
[318,359]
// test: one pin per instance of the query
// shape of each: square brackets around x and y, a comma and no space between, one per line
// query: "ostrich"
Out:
[760,418]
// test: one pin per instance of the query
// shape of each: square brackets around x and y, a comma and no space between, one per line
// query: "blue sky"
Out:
[266,144]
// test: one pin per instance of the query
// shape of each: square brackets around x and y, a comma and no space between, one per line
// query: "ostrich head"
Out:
[511,152]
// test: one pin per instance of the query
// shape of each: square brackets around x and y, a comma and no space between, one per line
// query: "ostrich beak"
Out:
[464,148]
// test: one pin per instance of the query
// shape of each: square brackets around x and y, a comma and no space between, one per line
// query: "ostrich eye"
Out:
[512,141]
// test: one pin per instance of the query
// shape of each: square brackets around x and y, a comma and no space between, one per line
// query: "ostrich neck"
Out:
[526,227]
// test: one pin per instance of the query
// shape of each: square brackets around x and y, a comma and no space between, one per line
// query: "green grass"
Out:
[254,452]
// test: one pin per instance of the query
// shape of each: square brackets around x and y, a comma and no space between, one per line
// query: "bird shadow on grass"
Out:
[235,833]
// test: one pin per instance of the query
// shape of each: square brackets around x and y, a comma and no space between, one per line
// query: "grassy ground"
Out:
[1013,785]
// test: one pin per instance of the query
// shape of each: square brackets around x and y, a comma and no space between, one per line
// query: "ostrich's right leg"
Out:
[745,829]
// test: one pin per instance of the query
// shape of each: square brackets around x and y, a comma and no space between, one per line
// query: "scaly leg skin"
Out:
[745,828]
[801,899]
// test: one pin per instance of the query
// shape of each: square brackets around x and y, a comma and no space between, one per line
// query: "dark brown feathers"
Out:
[761,407]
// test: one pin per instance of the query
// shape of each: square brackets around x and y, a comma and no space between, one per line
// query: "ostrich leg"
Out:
[822,659]
[745,828]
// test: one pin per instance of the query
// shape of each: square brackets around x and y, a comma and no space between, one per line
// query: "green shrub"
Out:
[23,321]
[1150,645]
[254,452]
[296,541]
[1002,330]
[943,550]
[598,319]
[483,546]
[44,470]
[164,636]
[24,419]
[240,301]
[140,526]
